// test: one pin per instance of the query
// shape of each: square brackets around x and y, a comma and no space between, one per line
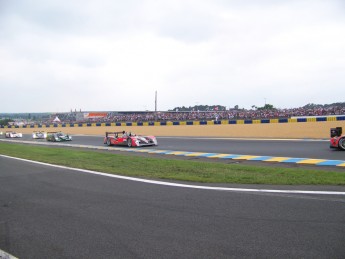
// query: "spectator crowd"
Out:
[200,115]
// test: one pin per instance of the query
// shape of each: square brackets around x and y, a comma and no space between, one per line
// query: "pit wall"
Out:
[273,128]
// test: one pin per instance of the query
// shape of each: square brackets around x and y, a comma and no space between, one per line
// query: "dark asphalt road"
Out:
[49,212]
[283,148]
[316,149]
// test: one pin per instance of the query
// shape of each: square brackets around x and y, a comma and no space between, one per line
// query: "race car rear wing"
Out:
[336,132]
[114,133]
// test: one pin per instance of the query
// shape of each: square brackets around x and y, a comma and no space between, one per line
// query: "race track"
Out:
[313,149]
[50,212]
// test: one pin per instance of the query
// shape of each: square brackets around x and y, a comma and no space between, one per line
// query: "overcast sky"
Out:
[106,55]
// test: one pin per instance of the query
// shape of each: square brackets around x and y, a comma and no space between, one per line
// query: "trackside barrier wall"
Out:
[178,123]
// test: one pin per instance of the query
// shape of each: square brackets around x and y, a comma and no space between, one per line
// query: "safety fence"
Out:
[179,123]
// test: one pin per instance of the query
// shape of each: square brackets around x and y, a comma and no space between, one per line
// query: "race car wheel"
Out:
[129,142]
[108,142]
[342,143]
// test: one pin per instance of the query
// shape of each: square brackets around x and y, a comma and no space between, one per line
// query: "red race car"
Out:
[128,139]
[337,139]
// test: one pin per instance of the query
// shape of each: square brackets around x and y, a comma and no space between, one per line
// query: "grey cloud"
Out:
[188,25]
[73,17]
[249,49]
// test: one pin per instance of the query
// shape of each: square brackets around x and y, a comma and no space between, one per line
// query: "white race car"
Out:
[13,134]
[39,135]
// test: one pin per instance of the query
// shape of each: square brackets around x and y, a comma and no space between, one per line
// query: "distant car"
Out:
[337,139]
[128,139]
[39,135]
[13,134]
[58,136]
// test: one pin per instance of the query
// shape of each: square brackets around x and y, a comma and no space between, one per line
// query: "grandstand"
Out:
[163,116]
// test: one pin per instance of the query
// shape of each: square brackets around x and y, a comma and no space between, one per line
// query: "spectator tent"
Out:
[56,119]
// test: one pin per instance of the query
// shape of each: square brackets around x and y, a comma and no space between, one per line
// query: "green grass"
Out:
[150,167]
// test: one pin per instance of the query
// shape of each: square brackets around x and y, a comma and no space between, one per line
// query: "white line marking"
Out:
[4,255]
[221,138]
[180,185]
[249,139]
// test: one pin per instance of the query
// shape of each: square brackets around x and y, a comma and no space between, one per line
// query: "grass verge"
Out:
[149,167]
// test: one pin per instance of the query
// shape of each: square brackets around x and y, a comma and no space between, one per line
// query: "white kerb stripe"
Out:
[4,255]
[181,185]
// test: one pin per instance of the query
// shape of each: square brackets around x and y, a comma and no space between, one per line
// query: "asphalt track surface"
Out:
[314,149]
[49,212]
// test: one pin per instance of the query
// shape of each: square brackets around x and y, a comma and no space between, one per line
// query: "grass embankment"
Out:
[150,167]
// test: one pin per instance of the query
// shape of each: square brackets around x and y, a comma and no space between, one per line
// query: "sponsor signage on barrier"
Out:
[181,123]
[95,115]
